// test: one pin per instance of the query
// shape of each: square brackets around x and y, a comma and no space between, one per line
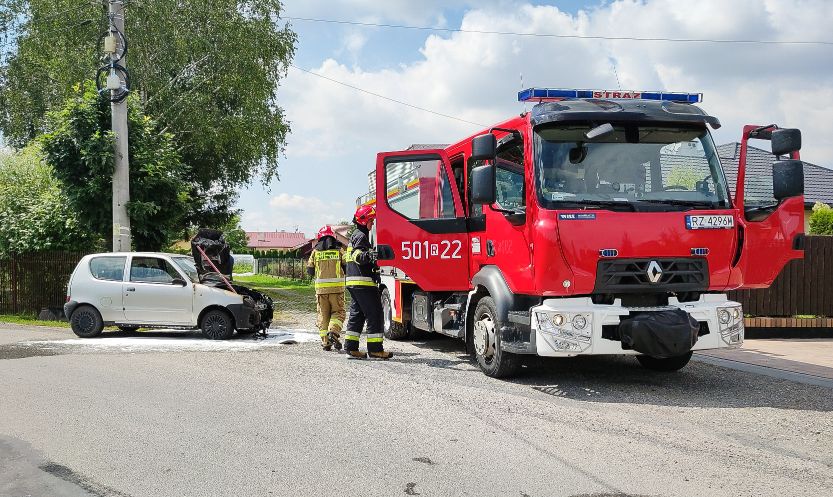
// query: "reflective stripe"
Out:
[351,337]
[360,281]
[375,335]
[329,280]
[327,255]
[323,333]
[352,334]
[335,321]
[329,285]
[374,340]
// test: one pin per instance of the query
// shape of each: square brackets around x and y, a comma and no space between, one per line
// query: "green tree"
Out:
[821,220]
[207,70]
[35,214]
[79,146]
[235,235]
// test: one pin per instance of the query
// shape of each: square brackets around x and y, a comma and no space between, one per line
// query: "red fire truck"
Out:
[598,222]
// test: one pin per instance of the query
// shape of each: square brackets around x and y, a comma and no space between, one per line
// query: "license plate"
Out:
[709,222]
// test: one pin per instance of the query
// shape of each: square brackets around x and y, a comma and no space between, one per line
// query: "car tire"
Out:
[485,331]
[217,325]
[667,364]
[392,329]
[86,321]
[128,329]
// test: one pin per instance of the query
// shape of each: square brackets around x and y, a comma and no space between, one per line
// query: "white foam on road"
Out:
[179,340]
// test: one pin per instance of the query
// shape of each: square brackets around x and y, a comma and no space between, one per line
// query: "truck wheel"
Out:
[393,330]
[86,321]
[217,325]
[666,364]
[492,360]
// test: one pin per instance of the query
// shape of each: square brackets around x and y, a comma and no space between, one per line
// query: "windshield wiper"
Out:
[686,203]
[600,203]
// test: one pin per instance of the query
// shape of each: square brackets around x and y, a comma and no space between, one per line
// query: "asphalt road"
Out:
[181,417]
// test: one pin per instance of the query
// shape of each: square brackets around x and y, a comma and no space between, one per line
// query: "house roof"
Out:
[818,180]
[274,239]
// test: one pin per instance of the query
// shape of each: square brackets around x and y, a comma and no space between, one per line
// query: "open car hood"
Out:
[213,243]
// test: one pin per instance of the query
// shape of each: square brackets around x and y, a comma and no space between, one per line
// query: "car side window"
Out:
[108,268]
[152,270]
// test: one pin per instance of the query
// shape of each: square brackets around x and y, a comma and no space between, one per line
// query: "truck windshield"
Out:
[635,166]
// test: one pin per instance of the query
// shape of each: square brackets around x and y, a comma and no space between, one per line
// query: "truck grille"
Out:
[652,275]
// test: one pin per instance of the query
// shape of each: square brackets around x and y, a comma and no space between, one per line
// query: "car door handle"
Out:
[131,289]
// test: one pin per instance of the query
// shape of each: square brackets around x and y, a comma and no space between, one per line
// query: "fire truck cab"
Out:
[599,222]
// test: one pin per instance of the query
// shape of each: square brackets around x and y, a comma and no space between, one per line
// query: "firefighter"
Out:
[363,285]
[326,264]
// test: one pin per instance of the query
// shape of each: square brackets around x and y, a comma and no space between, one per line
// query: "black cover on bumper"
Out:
[660,334]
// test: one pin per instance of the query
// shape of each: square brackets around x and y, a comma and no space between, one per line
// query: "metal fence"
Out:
[288,268]
[30,282]
[804,287]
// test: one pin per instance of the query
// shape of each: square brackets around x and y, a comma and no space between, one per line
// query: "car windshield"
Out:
[633,165]
[187,265]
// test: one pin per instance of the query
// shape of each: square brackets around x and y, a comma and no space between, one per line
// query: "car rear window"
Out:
[107,268]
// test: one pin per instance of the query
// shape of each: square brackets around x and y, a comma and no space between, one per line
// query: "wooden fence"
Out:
[30,282]
[804,287]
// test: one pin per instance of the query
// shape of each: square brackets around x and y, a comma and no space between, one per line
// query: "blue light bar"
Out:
[551,94]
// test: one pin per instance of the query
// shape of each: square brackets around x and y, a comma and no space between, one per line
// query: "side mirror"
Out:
[784,141]
[178,282]
[484,147]
[787,178]
[384,253]
[483,189]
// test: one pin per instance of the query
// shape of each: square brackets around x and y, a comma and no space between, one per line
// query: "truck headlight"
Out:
[566,332]
[731,324]
[579,322]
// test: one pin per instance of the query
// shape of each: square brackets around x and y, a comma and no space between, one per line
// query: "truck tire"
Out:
[217,325]
[493,361]
[392,329]
[666,364]
[86,321]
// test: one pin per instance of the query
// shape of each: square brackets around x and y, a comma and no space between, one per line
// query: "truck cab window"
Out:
[420,189]
[509,175]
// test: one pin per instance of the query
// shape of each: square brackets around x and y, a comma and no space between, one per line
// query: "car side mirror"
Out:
[483,189]
[784,141]
[178,282]
[384,253]
[787,179]
[484,147]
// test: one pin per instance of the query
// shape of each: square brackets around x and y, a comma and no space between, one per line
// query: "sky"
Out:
[337,131]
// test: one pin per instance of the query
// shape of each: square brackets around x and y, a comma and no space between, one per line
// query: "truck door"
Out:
[419,215]
[772,228]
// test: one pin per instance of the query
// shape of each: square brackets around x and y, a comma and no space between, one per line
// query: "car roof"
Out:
[145,254]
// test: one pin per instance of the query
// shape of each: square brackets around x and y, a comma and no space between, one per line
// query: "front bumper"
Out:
[556,325]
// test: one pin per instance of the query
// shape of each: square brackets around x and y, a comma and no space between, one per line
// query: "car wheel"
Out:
[664,364]
[392,329]
[86,321]
[217,325]
[128,329]
[493,361]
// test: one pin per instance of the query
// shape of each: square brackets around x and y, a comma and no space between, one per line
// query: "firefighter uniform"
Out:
[326,264]
[363,285]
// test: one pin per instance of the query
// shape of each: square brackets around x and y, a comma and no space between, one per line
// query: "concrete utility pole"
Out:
[121,174]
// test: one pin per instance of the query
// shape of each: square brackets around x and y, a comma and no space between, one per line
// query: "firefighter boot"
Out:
[384,355]
[334,339]
[356,354]
[325,343]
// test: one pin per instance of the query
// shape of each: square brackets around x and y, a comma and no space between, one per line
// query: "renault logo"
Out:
[654,272]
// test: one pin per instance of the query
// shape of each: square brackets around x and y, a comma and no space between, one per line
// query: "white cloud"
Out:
[475,76]
[289,212]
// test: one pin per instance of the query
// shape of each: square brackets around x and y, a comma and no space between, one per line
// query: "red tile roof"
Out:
[274,239]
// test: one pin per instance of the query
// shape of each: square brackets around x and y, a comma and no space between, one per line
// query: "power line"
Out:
[400,102]
[565,36]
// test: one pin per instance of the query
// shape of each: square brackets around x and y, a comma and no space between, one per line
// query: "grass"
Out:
[266,281]
[31,320]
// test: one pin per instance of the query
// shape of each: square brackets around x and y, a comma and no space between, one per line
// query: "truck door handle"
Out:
[490,248]
[131,289]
